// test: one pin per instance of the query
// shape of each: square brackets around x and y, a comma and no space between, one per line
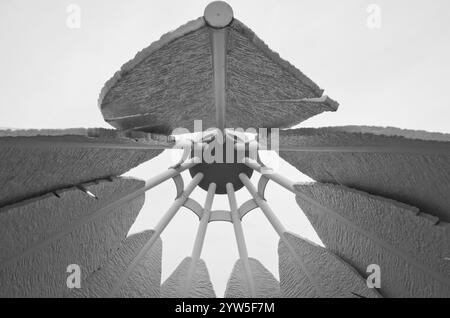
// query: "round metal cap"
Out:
[218,14]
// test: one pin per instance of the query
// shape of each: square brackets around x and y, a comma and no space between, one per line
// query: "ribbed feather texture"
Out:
[386,162]
[170,84]
[331,276]
[27,172]
[34,253]
[144,281]
[409,246]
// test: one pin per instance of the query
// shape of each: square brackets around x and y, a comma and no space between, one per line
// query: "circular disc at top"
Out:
[218,14]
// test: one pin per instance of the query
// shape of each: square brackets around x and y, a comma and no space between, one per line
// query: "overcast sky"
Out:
[395,75]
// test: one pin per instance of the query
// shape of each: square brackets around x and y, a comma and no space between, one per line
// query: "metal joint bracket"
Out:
[246,207]
[194,206]
[220,215]
[262,184]
[184,156]
[179,184]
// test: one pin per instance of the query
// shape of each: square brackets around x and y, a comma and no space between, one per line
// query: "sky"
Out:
[391,73]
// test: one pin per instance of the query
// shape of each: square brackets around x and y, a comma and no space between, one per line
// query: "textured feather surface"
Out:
[170,84]
[409,246]
[333,277]
[34,253]
[201,284]
[264,90]
[266,285]
[27,171]
[144,281]
[408,166]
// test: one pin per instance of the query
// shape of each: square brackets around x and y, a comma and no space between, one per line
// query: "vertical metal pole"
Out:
[242,248]
[159,228]
[218,46]
[218,15]
[200,238]
[279,228]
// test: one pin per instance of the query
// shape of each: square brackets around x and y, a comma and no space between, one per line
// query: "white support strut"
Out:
[279,228]
[200,238]
[275,177]
[218,15]
[159,228]
[242,248]
[218,45]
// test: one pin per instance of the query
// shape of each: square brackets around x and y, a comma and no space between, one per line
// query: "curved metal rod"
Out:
[194,206]
[225,215]
[200,238]
[247,207]
[179,184]
[242,248]
[149,184]
[262,184]
[159,228]
[220,215]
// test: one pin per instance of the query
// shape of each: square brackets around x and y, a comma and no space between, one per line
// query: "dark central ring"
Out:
[222,173]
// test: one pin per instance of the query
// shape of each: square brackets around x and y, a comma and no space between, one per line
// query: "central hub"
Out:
[221,172]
